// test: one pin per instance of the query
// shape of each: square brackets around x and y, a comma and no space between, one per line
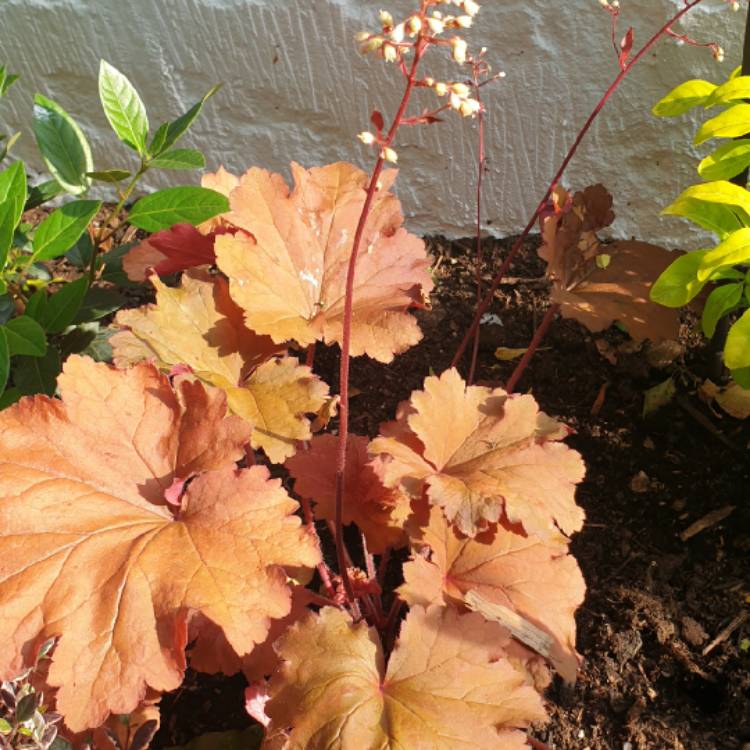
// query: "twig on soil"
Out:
[536,744]
[706,423]
[725,633]
[709,520]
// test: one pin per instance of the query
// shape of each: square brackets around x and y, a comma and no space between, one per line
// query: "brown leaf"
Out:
[599,293]
[377,510]
[540,583]
[440,690]
[480,453]
[289,277]
[89,550]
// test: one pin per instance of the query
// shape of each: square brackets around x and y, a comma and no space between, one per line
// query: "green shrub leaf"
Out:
[62,229]
[63,146]
[42,193]
[12,200]
[734,89]
[726,162]
[110,175]
[687,95]
[123,107]
[61,308]
[721,193]
[98,303]
[165,208]
[25,336]
[4,360]
[737,349]
[731,123]
[734,250]
[678,283]
[723,299]
[719,219]
[180,158]
[37,374]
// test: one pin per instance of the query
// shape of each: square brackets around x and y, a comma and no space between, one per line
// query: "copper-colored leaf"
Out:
[480,453]
[198,325]
[441,689]
[599,284]
[377,510]
[90,551]
[289,277]
[540,583]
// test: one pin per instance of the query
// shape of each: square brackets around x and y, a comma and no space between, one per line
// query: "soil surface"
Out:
[652,676]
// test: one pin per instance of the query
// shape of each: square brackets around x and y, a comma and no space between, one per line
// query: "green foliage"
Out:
[722,207]
[44,318]
[6,141]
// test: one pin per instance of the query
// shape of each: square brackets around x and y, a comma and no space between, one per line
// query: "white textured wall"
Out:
[295,89]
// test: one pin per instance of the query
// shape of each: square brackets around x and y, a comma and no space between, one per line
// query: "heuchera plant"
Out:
[723,208]
[143,523]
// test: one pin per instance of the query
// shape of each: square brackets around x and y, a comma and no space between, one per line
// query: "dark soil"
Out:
[654,602]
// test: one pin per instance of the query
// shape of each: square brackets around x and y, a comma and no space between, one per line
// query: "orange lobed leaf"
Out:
[378,511]
[198,325]
[90,551]
[183,245]
[617,287]
[439,691]
[289,276]
[541,583]
[479,453]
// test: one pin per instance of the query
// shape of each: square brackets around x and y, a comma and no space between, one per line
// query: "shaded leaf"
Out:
[110,176]
[289,276]
[90,496]
[247,739]
[61,308]
[98,303]
[25,336]
[61,229]
[658,396]
[63,146]
[32,375]
[4,359]
[440,689]
[480,453]
[737,348]
[722,300]
[379,512]
[43,192]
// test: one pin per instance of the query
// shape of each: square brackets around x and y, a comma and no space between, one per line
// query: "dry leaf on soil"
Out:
[480,453]
[289,277]
[378,511]
[198,325]
[90,551]
[440,690]
[599,284]
[540,583]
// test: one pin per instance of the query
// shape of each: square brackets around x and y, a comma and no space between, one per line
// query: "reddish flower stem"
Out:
[483,306]
[323,572]
[481,162]
[419,50]
[539,334]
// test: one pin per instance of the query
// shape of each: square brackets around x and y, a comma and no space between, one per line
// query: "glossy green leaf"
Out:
[80,254]
[123,107]
[62,307]
[678,283]
[726,162]
[42,193]
[8,398]
[99,303]
[717,218]
[734,250]
[63,146]
[180,158]
[7,308]
[112,262]
[168,133]
[25,336]
[110,175]
[734,89]
[721,300]
[63,228]
[4,359]
[731,123]
[683,98]
[12,199]
[165,208]
[36,305]
[13,183]
[737,349]
[720,192]
[37,374]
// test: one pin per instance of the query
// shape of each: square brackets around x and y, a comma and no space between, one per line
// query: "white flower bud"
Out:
[390,154]
[470,107]
[362,36]
[386,19]
[719,54]
[441,89]
[398,33]
[461,89]
[459,47]
[470,7]
[390,53]
[436,25]
[464,22]
[414,25]
[367,138]
[456,102]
